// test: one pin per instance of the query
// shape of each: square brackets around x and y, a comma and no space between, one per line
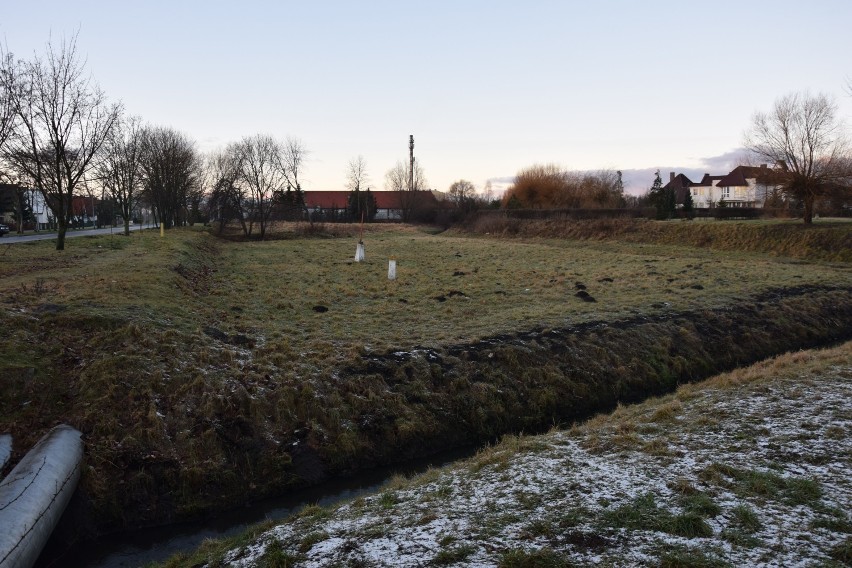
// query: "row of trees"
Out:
[55,122]
[61,136]
[254,177]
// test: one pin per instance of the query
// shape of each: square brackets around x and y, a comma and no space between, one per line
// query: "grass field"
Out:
[449,288]
[192,363]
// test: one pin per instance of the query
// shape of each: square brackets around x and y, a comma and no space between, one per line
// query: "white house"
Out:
[705,193]
[42,214]
[744,186]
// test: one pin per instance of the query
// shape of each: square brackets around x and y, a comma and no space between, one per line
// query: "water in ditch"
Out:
[137,548]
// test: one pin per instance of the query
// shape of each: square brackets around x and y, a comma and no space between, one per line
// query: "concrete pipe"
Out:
[5,449]
[34,495]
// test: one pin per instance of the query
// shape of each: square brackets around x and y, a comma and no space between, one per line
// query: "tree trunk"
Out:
[809,209]
[62,227]
[127,226]
[19,210]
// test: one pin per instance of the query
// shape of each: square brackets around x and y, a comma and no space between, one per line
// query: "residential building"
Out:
[680,184]
[744,186]
[42,217]
[705,193]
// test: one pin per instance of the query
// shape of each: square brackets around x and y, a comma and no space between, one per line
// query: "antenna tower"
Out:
[411,168]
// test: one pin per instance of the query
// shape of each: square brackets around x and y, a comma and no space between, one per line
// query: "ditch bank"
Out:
[529,381]
[824,241]
[389,408]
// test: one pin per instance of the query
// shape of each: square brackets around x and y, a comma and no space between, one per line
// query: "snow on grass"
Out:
[749,469]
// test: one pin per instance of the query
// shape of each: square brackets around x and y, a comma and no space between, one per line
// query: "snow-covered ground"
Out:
[752,468]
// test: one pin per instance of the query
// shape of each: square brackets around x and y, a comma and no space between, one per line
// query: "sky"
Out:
[487,88]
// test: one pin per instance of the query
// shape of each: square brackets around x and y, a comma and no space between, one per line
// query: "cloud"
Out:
[727,161]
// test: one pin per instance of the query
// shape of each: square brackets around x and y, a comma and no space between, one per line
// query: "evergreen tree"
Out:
[354,205]
[671,203]
[657,197]
[688,206]
[513,203]
[361,205]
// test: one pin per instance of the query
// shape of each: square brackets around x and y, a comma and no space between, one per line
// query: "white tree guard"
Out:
[392,269]
[359,252]
[36,492]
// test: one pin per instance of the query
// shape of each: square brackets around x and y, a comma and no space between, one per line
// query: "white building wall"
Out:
[744,194]
[706,195]
[41,212]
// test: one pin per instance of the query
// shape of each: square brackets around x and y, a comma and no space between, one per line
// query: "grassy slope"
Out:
[194,365]
[748,468]
[829,240]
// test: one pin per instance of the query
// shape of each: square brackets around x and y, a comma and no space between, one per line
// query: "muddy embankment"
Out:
[402,405]
[528,381]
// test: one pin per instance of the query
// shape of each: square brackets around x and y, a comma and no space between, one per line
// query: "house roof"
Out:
[736,178]
[327,199]
[680,181]
[739,175]
[707,180]
[680,184]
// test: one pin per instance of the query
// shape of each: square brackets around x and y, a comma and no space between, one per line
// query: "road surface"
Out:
[12,238]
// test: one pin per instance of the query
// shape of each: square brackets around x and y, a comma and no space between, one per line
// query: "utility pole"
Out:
[411,169]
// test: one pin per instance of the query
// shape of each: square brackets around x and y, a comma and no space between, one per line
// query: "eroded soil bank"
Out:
[410,404]
[747,468]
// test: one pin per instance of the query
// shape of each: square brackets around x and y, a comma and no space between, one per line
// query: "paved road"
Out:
[12,238]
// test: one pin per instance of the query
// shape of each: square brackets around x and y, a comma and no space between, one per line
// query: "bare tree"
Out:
[263,174]
[120,172]
[172,172]
[17,196]
[9,84]
[294,156]
[804,136]
[222,172]
[356,174]
[463,195]
[64,122]
[397,179]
